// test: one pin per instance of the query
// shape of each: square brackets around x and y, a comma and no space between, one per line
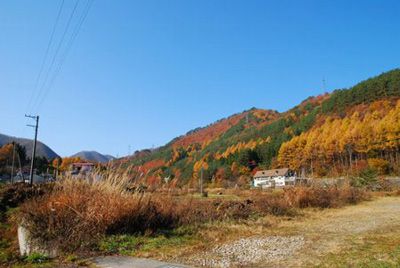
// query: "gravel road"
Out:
[130,262]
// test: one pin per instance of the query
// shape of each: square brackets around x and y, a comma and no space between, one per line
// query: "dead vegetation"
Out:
[76,214]
[12,195]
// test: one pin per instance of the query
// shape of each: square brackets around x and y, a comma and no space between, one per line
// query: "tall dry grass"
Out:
[77,213]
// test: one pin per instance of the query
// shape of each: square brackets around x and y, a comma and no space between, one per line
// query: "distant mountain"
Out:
[93,156]
[42,149]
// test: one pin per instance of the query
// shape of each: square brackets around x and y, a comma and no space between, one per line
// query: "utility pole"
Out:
[201,181]
[58,168]
[12,166]
[36,126]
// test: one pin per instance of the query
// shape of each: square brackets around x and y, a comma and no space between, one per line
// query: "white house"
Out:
[274,178]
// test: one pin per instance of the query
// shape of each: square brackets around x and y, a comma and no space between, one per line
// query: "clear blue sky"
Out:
[143,72]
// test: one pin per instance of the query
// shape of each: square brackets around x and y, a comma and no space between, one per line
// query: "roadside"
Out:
[129,262]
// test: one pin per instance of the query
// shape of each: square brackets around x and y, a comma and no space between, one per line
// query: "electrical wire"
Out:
[60,43]
[45,55]
[66,51]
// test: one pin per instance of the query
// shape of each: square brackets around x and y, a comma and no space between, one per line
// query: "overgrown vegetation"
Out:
[77,215]
[12,196]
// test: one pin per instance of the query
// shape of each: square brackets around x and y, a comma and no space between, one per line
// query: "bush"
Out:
[274,204]
[323,197]
[366,178]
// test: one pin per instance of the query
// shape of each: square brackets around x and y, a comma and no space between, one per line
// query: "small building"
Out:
[274,178]
[82,168]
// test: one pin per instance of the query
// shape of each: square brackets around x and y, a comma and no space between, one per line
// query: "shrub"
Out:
[323,197]
[366,178]
[273,204]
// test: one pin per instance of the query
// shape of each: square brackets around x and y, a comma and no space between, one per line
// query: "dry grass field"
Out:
[297,227]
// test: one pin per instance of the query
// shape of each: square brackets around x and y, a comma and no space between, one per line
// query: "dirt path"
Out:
[303,242]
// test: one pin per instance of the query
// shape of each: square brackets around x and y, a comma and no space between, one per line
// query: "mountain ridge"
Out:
[93,156]
[42,150]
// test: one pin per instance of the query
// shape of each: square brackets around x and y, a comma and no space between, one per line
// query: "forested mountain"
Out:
[93,156]
[42,150]
[334,134]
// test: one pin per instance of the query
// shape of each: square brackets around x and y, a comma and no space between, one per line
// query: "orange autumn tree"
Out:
[369,131]
[67,162]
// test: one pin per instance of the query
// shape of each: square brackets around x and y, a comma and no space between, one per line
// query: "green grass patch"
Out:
[134,244]
[36,258]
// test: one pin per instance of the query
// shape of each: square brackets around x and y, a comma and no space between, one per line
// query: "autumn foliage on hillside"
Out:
[207,134]
[340,133]
[366,132]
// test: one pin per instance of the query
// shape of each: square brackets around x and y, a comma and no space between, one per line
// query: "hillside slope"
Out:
[42,150]
[330,134]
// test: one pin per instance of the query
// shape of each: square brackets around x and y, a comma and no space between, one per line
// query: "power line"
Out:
[66,51]
[56,52]
[46,54]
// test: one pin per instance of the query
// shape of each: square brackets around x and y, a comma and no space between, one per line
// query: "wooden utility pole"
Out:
[36,126]
[201,181]
[12,165]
